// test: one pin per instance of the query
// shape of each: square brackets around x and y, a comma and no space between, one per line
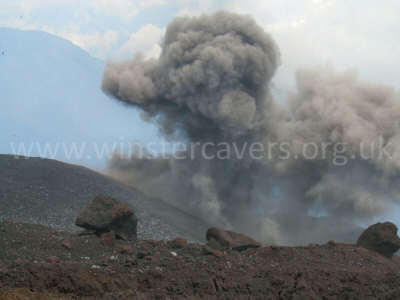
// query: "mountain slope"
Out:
[49,192]
[50,92]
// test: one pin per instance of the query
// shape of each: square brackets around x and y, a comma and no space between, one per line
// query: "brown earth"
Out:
[330,271]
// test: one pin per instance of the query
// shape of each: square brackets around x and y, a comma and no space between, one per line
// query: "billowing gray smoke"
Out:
[211,84]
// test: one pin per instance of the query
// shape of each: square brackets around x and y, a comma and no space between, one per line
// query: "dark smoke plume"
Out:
[211,83]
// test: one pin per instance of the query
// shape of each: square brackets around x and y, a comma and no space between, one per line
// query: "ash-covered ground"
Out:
[51,193]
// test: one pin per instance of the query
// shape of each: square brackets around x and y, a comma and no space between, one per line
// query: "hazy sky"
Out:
[350,34]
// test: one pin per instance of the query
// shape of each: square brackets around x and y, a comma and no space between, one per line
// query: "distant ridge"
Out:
[50,92]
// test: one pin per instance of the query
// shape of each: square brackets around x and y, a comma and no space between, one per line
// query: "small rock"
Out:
[187,257]
[179,243]
[66,244]
[331,243]
[174,254]
[144,248]
[141,254]
[152,242]
[217,253]
[130,262]
[230,239]
[206,250]
[156,273]
[53,259]
[109,239]
[276,282]
[106,259]
[126,250]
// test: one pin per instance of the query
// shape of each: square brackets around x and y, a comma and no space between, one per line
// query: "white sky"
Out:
[350,34]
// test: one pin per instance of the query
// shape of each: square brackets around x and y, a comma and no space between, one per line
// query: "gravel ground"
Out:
[51,193]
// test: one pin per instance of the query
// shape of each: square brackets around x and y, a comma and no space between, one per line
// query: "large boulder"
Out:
[104,214]
[382,238]
[230,239]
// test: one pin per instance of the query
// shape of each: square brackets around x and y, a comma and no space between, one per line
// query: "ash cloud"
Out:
[212,83]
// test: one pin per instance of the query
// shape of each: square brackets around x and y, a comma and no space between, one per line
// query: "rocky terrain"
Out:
[34,264]
[43,255]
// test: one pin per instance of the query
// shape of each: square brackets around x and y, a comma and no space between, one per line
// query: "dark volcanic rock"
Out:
[382,238]
[104,214]
[230,239]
